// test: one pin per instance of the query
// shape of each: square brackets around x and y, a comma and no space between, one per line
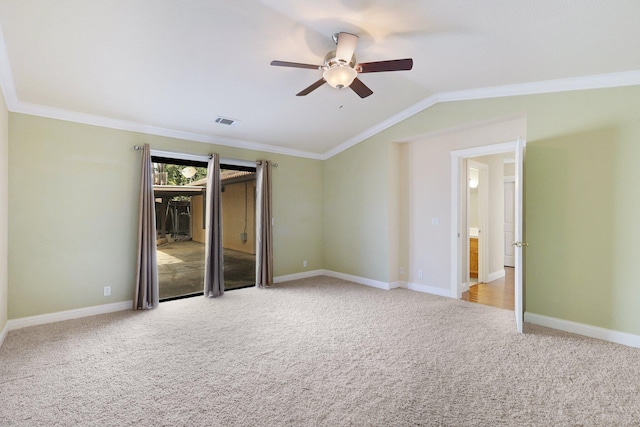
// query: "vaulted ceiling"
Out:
[172,67]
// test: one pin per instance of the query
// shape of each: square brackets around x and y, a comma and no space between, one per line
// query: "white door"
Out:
[518,244]
[509,223]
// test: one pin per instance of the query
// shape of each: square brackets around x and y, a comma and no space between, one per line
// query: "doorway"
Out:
[459,225]
[238,226]
[180,253]
[180,194]
[488,207]
[477,219]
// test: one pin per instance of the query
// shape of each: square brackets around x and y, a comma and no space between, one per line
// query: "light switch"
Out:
[435,221]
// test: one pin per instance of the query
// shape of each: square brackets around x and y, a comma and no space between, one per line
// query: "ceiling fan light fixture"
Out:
[340,69]
[340,76]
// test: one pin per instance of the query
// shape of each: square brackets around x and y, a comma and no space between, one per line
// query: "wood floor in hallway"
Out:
[499,293]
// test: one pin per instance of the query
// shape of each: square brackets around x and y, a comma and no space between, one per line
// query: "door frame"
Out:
[511,179]
[458,229]
[198,158]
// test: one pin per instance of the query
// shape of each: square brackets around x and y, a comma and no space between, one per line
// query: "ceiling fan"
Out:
[340,69]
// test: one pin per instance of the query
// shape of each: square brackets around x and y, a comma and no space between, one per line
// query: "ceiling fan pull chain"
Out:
[341,103]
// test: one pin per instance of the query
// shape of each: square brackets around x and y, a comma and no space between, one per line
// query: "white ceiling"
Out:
[171,67]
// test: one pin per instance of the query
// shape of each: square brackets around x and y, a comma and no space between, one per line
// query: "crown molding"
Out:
[95,120]
[395,119]
[600,81]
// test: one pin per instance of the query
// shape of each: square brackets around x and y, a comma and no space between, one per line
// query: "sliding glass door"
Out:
[238,227]
[180,191]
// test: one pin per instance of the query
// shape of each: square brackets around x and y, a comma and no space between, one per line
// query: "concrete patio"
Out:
[181,269]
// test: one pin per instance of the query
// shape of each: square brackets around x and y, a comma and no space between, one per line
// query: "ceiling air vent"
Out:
[225,121]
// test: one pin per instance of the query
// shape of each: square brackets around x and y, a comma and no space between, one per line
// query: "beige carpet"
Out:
[314,352]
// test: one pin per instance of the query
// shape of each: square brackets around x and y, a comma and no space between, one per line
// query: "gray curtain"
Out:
[264,233]
[146,296]
[214,264]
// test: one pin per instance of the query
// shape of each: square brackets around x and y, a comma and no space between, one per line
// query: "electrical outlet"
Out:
[420,274]
[107,291]
[304,263]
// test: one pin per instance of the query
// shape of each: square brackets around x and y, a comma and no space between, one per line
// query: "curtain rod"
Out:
[259,162]
[140,147]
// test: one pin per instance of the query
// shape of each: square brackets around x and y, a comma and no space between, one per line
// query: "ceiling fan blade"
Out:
[347,43]
[294,65]
[311,88]
[360,88]
[379,66]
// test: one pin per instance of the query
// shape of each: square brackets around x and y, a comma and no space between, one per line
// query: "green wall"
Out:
[73,211]
[581,211]
[583,227]
[356,211]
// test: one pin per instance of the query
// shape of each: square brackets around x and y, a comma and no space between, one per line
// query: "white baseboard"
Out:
[582,329]
[357,279]
[464,287]
[398,284]
[3,333]
[367,282]
[24,322]
[495,275]
[388,286]
[430,290]
[297,276]
[343,276]
[421,288]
